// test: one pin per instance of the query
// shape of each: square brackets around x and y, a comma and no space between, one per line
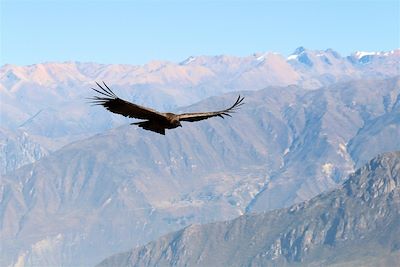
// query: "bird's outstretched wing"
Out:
[205,115]
[117,105]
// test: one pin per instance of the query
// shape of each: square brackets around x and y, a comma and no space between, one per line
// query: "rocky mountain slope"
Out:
[47,101]
[342,126]
[18,149]
[125,187]
[356,224]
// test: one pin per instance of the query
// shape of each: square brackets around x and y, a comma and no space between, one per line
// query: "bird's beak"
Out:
[180,125]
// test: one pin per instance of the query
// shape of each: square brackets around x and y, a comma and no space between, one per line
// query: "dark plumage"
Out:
[153,120]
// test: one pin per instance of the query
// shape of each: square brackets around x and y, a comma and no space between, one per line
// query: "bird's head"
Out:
[177,123]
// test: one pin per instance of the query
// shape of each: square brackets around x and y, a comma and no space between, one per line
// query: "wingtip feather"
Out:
[109,90]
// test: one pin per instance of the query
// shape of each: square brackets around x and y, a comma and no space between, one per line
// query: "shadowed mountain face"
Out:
[332,131]
[127,186]
[356,224]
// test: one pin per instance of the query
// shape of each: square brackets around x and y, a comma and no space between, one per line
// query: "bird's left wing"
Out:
[117,105]
[205,115]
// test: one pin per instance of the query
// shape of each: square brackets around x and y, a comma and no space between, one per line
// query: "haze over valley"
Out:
[79,184]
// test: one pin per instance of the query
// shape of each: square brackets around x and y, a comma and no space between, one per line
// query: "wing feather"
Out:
[113,103]
[205,115]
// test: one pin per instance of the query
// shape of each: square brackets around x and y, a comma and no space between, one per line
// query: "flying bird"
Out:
[153,120]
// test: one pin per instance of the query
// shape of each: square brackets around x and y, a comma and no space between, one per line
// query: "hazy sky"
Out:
[136,32]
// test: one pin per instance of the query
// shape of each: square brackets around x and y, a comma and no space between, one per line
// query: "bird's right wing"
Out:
[205,115]
[113,103]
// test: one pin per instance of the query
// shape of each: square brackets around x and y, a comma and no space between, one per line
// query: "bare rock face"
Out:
[17,148]
[356,224]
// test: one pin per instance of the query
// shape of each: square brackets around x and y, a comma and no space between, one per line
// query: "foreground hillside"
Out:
[356,224]
[127,186]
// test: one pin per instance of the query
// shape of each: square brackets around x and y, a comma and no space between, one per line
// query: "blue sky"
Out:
[136,32]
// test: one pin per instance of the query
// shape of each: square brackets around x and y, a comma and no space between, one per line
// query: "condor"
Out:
[153,120]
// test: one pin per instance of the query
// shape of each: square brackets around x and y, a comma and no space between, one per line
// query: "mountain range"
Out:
[126,186]
[46,102]
[80,184]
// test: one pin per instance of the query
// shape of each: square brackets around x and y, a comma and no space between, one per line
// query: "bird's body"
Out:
[159,126]
[153,120]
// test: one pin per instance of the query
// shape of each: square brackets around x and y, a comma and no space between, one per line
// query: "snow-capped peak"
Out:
[360,54]
[292,57]
[260,56]
[299,50]
[188,60]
